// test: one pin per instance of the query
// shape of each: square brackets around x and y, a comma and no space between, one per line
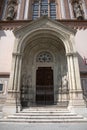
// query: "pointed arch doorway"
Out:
[44,86]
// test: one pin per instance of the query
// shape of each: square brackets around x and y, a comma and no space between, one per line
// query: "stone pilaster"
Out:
[84,9]
[67,9]
[63,15]
[75,90]
[13,102]
[18,9]
[71,10]
[26,9]
[21,17]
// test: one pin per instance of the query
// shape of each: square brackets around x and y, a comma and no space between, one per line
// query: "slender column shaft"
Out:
[77,74]
[4,12]
[39,10]
[71,10]
[62,9]
[16,72]
[69,73]
[84,8]
[72,73]
[18,11]
[19,74]
[11,81]
[26,9]
[48,8]
[30,10]
[22,9]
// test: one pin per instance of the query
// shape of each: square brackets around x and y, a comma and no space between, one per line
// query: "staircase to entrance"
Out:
[45,115]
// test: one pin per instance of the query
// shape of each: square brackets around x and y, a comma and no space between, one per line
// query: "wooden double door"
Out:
[44,86]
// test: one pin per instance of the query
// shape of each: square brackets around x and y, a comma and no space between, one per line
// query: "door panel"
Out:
[44,86]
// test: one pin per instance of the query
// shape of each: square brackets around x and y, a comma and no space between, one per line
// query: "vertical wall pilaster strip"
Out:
[67,9]
[72,73]
[58,9]
[30,10]
[86,3]
[69,74]
[18,11]
[26,9]
[16,73]
[22,9]
[4,12]
[84,9]
[48,8]
[12,74]
[77,73]
[71,10]
[19,74]
[62,9]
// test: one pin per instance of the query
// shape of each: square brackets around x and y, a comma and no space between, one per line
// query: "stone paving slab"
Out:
[44,126]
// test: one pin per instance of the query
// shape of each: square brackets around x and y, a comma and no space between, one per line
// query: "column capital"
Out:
[73,54]
[17,54]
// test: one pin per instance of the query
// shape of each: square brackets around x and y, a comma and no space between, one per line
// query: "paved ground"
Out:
[26,126]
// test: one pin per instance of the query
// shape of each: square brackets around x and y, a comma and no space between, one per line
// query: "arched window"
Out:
[53,9]
[35,9]
[44,7]
[44,57]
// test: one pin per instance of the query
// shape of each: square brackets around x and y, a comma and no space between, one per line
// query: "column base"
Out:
[11,105]
[78,105]
[76,99]
[81,110]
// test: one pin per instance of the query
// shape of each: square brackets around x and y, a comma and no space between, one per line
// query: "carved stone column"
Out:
[75,90]
[62,9]
[13,98]
[71,10]
[26,10]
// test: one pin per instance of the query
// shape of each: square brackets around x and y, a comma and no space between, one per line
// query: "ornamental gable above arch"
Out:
[45,26]
[44,23]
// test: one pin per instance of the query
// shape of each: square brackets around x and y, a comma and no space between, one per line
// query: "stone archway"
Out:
[59,40]
[58,62]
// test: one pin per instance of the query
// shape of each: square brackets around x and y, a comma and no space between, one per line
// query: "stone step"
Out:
[46,114]
[44,111]
[45,117]
[45,120]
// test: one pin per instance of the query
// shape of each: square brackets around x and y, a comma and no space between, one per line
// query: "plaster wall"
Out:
[6,47]
[81,46]
[7,43]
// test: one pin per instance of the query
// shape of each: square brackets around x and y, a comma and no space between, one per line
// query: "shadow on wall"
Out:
[83,74]
[2,33]
[82,65]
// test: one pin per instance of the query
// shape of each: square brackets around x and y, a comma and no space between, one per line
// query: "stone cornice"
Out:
[11,25]
[4,74]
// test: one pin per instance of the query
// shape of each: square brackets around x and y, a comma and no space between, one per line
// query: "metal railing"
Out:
[43,94]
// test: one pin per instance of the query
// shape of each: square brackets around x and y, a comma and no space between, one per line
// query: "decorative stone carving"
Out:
[11,10]
[26,80]
[65,81]
[29,81]
[44,57]
[77,9]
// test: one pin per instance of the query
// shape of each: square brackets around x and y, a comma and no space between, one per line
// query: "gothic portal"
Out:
[44,66]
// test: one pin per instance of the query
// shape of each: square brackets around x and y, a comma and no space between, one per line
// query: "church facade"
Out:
[43,54]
